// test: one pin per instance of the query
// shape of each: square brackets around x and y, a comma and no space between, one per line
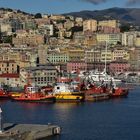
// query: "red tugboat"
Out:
[4,94]
[102,92]
[94,93]
[119,92]
[32,94]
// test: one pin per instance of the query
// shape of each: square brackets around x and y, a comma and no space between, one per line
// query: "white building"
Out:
[128,38]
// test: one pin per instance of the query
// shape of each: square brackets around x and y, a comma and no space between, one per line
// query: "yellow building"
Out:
[106,56]
[90,41]
[90,25]
[120,54]
[15,59]
[110,38]
[137,41]
[29,39]
[57,17]
[76,55]
[6,56]
[92,56]
[8,67]
[109,23]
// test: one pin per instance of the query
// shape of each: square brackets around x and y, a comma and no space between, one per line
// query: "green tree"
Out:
[125,28]
[38,15]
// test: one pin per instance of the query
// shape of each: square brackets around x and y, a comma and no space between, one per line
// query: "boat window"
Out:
[58,87]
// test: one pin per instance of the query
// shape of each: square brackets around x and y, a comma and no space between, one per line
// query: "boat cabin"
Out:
[61,88]
[31,89]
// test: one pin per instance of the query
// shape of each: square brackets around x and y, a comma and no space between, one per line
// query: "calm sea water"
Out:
[115,119]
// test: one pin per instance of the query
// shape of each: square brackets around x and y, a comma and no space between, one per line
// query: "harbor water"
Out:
[114,119]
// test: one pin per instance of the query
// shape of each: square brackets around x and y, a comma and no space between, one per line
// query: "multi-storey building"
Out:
[92,56]
[10,79]
[120,54]
[8,67]
[76,55]
[58,57]
[100,66]
[90,41]
[90,25]
[109,30]
[76,66]
[16,24]
[29,24]
[106,56]
[135,58]
[79,21]
[137,41]
[5,28]
[79,37]
[46,29]
[129,38]
[29,39]
[109,38]
[57,17]
[119,66]
[109,23]
[43,75]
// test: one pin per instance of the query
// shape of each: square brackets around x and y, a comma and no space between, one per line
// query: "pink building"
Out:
[119,67]
[76,66]
[105,29]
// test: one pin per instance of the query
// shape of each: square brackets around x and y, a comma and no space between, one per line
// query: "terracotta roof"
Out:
[8,61]
[9,75]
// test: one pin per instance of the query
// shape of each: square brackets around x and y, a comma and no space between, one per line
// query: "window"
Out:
[38,78]
[45,78]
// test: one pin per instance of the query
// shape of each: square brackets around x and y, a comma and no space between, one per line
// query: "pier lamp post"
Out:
[1,123]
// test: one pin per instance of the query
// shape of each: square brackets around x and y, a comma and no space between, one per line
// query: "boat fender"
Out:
[56,130]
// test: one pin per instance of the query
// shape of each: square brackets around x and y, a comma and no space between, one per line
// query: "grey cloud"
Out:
[95,1]
[132,2]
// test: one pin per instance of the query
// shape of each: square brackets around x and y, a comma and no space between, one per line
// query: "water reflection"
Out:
[64,110]
[3,101]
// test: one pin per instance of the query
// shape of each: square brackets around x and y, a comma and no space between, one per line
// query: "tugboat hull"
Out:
[43,100]
[68,98]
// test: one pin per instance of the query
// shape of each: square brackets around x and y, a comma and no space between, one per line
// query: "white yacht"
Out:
[96,76]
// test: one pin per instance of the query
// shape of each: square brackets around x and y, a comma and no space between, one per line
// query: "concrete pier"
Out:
[28,131]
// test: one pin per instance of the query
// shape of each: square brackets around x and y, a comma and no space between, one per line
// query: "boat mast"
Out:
[105,55]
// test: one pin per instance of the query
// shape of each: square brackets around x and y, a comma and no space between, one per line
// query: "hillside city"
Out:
[47,46]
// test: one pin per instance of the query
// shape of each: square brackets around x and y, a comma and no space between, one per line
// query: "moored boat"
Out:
[4,94]
[15,94]
[63,93]
[32,94]
[95,93]
[119,92]
[96,97]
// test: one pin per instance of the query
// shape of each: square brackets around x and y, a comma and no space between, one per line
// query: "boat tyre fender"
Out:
[56,130]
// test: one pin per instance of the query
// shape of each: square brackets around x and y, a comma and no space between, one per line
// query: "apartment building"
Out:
[110,38]
[109,23]
[90,25]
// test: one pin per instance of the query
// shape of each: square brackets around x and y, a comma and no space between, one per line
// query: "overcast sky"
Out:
[65,6]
